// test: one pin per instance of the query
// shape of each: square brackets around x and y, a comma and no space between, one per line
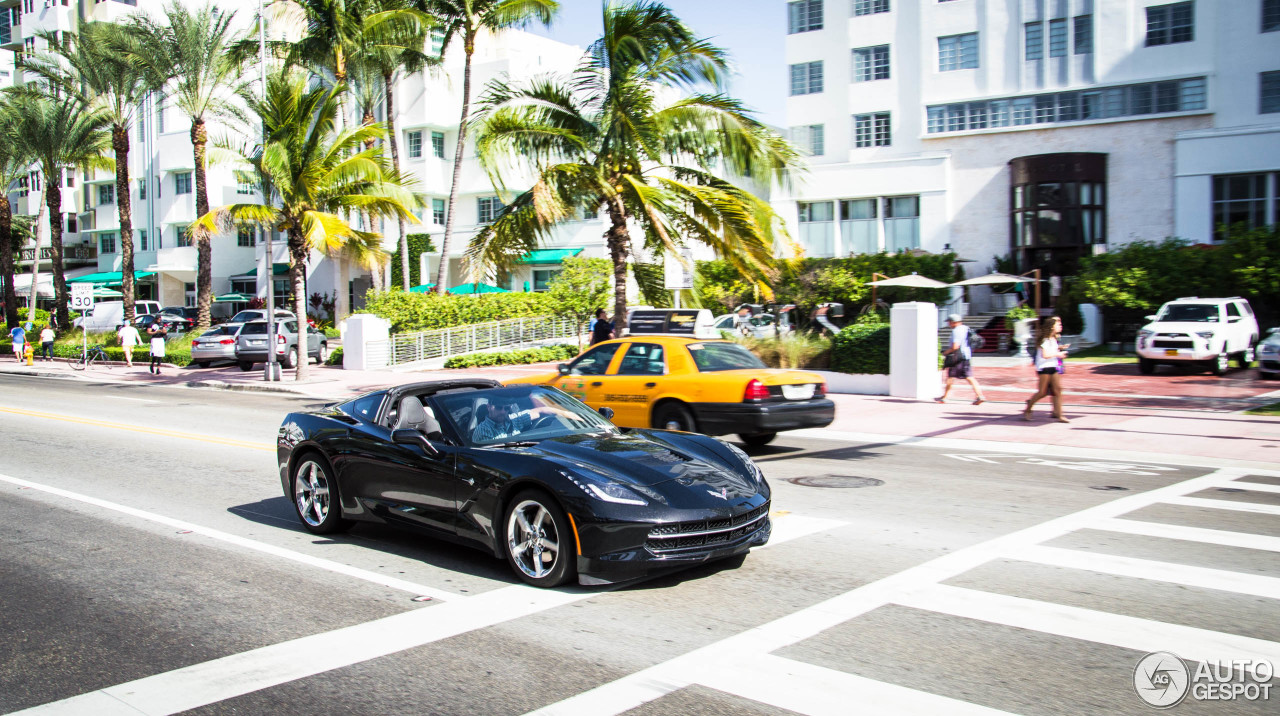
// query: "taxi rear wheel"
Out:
[674,416]
[756,439]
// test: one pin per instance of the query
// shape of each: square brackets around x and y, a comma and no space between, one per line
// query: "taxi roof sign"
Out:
[685,322]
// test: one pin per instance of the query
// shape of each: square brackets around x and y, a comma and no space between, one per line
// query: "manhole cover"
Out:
[1107,487]
[835,481]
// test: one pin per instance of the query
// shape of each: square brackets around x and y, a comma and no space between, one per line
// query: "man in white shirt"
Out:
[959,344]
[129,337]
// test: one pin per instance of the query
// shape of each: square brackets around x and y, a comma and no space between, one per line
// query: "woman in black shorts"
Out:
[1048,363]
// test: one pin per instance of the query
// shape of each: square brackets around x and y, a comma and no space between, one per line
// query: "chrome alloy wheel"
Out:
[532,540]
[311,493]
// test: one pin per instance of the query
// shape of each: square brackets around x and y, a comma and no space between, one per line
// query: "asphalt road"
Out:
[150,564]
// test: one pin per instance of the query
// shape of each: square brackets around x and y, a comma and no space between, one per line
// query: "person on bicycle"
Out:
[129,338]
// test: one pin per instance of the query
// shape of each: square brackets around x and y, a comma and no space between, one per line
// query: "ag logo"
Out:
[1161,679]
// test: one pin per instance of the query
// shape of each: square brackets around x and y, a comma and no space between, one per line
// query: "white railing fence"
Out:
[512,333]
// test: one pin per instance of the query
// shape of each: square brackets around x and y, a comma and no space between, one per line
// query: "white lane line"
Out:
[818,691]
[1224,538]
[1255,486]
[643,686]
[246,543]
[1126,632]
[1215,504]
[1204,577]
[212,681]
[239,674]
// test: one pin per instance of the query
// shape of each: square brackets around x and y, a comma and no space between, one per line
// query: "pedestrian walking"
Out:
[46,342]
[19,337]
[601,327]
[129,339]
[959,360]
[157,334]
[1049,367]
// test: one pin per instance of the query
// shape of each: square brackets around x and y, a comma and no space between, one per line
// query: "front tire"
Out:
[539,540]
[203,363]
[1220,364]
[1146,367]
[322,354]
[674,416]
[1245,357]
[757,439]
[245,366]
[315,496]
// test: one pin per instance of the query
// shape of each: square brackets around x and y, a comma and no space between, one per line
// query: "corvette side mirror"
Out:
[563,369]
[409,436]
[606,411]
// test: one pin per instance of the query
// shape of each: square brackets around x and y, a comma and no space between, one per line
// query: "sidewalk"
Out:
[1110,406]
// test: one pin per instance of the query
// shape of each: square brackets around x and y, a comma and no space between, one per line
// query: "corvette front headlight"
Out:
[603,488]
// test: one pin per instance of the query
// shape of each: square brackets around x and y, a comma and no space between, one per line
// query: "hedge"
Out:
[861,348]
[547,354]
[177,351]
[424,311]
[335,357]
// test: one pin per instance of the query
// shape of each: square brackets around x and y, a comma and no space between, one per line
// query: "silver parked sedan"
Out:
[215,344]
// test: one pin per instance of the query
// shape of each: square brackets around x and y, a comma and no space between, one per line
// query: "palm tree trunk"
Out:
[342,302]
[53,199]
[298,278]
[469,47]
[389,91]
[120,144]
[6,261]
[618,240]
[35,265]
[204,246]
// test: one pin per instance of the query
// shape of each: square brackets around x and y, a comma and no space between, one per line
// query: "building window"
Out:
[1168,24]
[437,211]
[23,186]
[437,144]
[958,52]
[189,294]
[901,223]
[244,236]
[142,125]
[806,78]
[106,194]
[488,208]
[817,227]
[804,16]
[809,139]
[69,176]
[1244,199]
[159,186]
[1270,15]
[1058,38]
[73,226]
[1268,92]
[542,278]
[1083,39]
[107,243]
[142,239]
[182,183]
[244,187]
[871,130]
[858,226]
[160,116]
[871,63]
[1033,33]
[870,7]
[35,181]
[415,144]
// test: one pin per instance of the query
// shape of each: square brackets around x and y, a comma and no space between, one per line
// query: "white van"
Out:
[109,315]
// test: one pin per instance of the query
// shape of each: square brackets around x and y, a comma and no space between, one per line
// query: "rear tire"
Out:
[245,366]
[539,543]
[757,439]
[1146,367]
[674,416]
[290,358]
[203,363]
[322,354]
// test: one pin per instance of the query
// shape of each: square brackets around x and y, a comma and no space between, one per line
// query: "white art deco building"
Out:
[1037,129]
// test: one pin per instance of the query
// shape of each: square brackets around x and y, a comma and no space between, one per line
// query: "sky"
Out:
[752,31]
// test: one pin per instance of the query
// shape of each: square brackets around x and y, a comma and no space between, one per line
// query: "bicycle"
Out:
[88,357]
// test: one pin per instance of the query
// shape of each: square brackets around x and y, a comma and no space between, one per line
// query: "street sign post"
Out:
[678,273]
[82,300]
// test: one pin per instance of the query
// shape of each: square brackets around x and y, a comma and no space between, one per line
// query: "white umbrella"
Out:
[993,278]
[911,281]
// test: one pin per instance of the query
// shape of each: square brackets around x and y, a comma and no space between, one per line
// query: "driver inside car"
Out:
[505,419]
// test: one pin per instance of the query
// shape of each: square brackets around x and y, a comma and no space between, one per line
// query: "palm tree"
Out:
[59,133]
[190,54]
[13,166]
[89,68]
[317,171]
[607,136]
[463,21]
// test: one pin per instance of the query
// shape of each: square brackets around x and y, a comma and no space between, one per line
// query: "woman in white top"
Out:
[1049,357]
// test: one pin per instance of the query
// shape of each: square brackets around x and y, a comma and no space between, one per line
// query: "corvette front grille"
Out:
[702,534]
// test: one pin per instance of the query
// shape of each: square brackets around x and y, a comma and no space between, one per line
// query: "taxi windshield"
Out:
[712,357]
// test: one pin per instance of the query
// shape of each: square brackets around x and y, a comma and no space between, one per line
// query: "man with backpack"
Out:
[958,358]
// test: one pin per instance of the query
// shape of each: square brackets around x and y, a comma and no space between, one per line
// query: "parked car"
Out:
[1269,355]
[191,313]
[251,344]
[762,325]
[524,473]
[256,314]
[216,344]
[171,323]
[1207,331]
[109,315]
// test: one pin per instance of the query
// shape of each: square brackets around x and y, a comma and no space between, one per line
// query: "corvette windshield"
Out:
[519,413]
[1190,313]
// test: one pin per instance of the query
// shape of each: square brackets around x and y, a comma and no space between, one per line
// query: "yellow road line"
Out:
[139,429]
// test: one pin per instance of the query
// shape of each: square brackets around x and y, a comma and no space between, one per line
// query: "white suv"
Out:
[1208,330]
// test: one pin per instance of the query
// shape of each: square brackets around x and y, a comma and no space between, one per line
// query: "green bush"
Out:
[424,311]
[335,357]
[861,348]
[546,354]
[793,350]
[331,332]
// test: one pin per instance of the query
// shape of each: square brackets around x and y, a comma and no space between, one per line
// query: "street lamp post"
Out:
[271,369]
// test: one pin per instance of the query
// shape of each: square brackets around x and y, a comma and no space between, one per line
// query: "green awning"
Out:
[277,269]
[108,278]
[474,288]
[548,256]
[234,298]
[422,288]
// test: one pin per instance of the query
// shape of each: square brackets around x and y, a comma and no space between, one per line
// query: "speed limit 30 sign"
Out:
[81,296]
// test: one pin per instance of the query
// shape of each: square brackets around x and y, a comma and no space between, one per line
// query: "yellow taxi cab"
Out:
[674,372]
